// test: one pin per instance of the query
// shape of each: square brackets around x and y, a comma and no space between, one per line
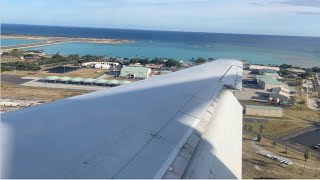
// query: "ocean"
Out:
[260,49]
[11,42]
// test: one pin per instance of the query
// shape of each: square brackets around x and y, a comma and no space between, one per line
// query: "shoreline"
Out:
[67,39]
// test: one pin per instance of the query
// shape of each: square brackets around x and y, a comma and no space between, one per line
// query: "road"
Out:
[316,83]
[31,45]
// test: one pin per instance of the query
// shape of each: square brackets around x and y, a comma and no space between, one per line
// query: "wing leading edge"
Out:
[133,131]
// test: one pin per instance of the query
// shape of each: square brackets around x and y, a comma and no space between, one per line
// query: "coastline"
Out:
[67,39]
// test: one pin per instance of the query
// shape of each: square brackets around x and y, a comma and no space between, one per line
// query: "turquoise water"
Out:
[262,49]
[186,52]
[12,42]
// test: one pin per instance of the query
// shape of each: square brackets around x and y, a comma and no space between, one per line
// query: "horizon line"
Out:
[159,30]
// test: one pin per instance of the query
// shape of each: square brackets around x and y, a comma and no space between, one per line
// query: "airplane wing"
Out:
[185,124]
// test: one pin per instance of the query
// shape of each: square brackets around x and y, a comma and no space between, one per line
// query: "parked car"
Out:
[317,147]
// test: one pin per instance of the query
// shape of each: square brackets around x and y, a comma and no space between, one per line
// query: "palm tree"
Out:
[244,130]
[286,149]
[306,157]
[259,136]
[318,159]
[247,129]
[261,129]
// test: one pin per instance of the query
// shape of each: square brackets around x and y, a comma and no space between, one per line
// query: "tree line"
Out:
[77,60]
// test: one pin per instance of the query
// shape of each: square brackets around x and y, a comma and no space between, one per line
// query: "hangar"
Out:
[269,111]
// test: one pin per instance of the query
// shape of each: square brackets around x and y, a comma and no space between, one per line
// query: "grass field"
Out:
[12,91]
[83,73]
[292,121]
[257,166]
[5,59]
[294,118]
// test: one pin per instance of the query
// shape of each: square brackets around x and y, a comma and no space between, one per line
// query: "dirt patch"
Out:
[13,91]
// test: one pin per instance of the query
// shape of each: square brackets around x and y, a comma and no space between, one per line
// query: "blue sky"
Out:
[283,17]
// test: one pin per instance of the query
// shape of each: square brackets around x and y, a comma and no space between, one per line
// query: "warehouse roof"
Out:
[77,79]
[271,81]
[115,82]
[52,78]
[65,78]
[271,74]
[264,107]
[263,71]
[262,76]
[100,81]
[89,80]
[137,71]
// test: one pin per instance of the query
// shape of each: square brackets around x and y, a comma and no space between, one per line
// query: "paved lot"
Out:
[14,79]
[308,139]
[252,92]
[36,83]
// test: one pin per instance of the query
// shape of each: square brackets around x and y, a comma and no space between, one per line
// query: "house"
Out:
[296,71]
[133,72]
[31,57]
[136,65]
[284,95]
[154,66]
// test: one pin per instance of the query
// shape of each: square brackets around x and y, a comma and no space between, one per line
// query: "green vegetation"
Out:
[306,157]
[284,71]
[75,59]
[14,53]
[316,69]
[20,66]
[200,60]
[293,81]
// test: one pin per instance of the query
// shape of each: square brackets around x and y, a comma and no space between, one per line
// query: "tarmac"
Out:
[36,83]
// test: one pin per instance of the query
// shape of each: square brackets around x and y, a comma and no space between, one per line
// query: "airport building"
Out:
[268,82]
[85,81]
[257,68]
[268,111]
[100,65]
[285,95]
[132,72]
[296,71]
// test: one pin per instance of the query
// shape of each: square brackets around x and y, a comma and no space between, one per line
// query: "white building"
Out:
[257,67]
[100,65]
[88,64]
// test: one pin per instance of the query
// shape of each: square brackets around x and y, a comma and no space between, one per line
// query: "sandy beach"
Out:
[67,39]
